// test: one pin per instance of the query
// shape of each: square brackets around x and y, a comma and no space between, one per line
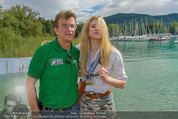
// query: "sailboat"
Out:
[176,41]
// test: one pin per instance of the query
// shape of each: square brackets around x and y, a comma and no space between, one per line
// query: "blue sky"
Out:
[93,9]
[84,9]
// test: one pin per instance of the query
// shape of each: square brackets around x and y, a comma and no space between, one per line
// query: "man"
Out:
[55,65]
[9,106]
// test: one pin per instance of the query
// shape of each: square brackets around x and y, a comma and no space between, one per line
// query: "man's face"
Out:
[9,106]
[66,29]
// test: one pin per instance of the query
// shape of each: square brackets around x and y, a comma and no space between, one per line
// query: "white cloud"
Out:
[48,9]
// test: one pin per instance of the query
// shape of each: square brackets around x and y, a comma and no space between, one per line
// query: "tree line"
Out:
[141,29]
[24,21]
[22,30]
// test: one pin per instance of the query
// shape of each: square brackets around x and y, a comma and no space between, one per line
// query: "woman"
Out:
[95,48]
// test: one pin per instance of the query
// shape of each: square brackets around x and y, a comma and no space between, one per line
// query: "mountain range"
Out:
[122,18]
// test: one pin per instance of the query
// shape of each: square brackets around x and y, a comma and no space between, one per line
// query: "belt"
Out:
[61,109]
[98,95]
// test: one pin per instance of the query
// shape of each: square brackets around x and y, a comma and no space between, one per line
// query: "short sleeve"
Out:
[36,66]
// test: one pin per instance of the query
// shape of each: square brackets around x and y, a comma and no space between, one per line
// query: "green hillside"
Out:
[129,17]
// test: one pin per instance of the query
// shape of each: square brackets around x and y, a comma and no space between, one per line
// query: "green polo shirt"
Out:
[57,72]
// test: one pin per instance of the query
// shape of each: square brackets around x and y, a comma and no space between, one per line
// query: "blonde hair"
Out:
[85,45]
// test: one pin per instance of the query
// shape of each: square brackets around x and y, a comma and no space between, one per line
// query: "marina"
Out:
[151,37]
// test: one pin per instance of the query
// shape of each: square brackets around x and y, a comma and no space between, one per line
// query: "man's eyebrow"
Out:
[68,24]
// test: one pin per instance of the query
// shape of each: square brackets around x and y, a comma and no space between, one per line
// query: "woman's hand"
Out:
[103,73]
[44,42]
[117,83]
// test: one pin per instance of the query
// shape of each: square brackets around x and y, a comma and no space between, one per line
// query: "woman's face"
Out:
[94,31]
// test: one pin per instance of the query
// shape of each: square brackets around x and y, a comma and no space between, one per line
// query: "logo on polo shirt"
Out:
[56,61]
[74,61]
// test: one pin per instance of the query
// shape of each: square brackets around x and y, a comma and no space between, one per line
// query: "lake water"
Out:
[152,69]
[152,85]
